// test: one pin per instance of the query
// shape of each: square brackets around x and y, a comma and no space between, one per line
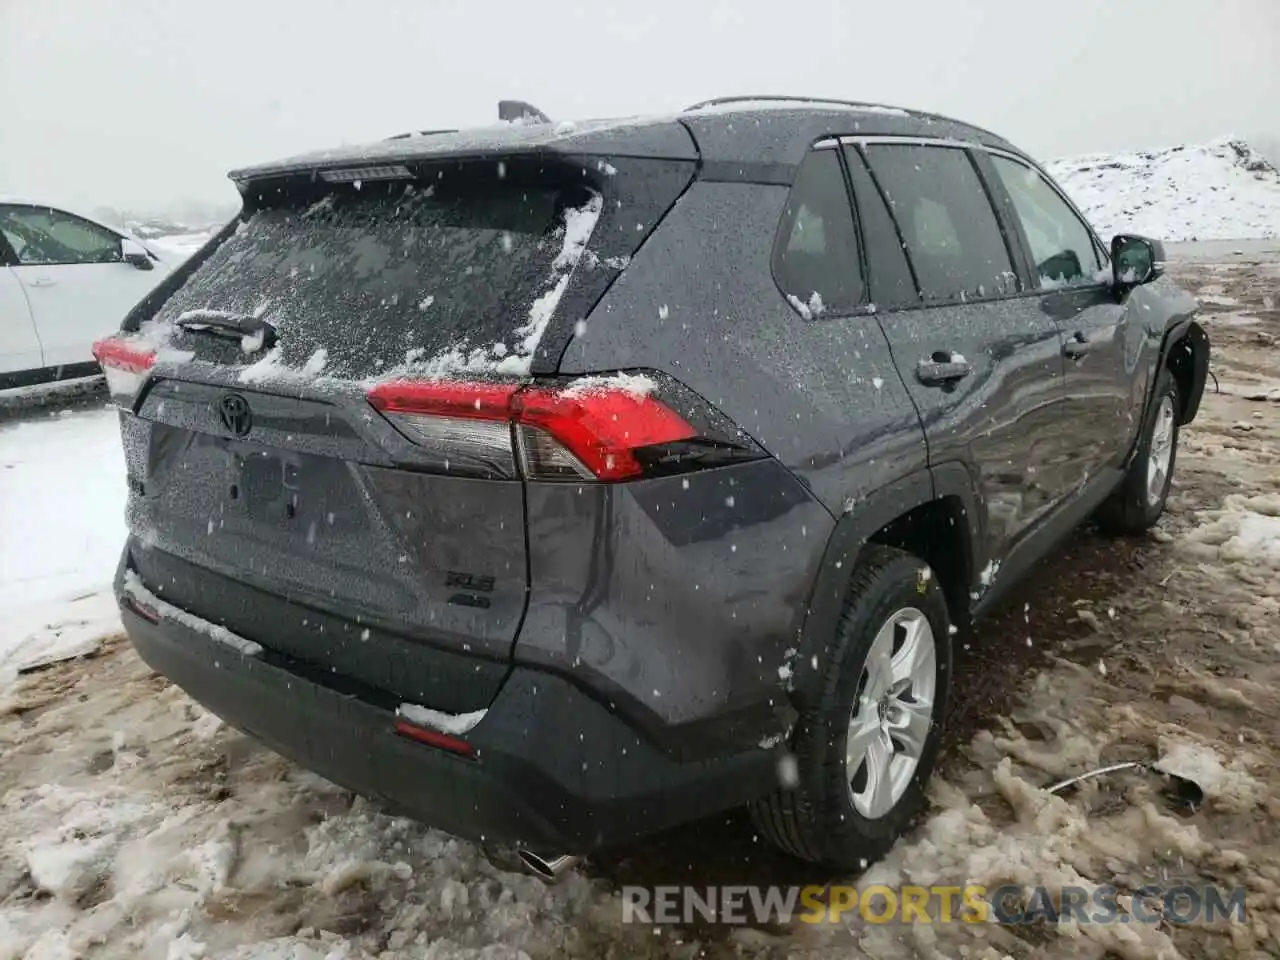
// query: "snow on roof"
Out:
[563,134]
[784,104]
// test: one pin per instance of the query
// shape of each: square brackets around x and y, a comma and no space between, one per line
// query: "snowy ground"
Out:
[133,824]
[61,528]
[1222,190]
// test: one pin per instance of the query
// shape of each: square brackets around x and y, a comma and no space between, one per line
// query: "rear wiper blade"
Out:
[231,326]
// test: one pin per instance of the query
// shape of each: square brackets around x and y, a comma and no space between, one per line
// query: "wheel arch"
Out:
[1186,353]
[932,514]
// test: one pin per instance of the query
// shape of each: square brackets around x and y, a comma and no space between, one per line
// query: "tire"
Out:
[1140,499]
[832,814]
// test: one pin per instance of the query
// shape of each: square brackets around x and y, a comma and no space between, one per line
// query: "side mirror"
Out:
[134,253]
[1135,260]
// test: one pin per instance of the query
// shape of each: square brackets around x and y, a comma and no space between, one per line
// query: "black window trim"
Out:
[1027,276]
[864,307]
[1104,255]
[8,257]
[897,228]
[70,216]
[1012,241]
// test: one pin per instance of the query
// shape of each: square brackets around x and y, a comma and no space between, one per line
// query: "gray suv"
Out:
[561,483]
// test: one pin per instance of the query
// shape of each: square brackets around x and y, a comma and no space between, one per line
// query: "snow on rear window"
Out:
[370,283]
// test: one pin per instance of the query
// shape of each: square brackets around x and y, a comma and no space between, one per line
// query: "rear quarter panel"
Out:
[718,628]
[699,302]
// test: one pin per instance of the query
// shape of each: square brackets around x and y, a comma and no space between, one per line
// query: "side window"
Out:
[1063,250]
[947,222]
[39,235]
[815,254]
[891,283]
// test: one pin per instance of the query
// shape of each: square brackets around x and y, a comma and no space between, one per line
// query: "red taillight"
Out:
[126,366]
[602,427]
[584,432]
[468,401]
[434,738]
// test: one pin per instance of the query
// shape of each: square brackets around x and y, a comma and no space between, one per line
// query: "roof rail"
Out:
[922,114]
[419,133]
[783,98]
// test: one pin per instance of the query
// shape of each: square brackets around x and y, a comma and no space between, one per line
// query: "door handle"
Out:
[943,368]
[42,281]
[1077,346]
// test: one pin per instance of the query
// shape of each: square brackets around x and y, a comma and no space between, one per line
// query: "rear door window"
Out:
[947,222]
[815,255]
[1061,245]
[450,278]
[891,283]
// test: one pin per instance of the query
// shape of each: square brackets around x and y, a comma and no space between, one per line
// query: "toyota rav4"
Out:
[558,484]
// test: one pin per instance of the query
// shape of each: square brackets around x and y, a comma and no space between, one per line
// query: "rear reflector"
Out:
[577,432]
[141,609]
[434,738]
[126,366]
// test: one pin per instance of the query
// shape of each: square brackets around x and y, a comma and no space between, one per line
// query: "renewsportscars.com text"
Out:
[939,903]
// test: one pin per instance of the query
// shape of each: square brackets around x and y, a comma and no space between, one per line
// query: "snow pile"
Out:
[1229,786]
[60,630]
[1245,531]
[62,497]
[1222,190]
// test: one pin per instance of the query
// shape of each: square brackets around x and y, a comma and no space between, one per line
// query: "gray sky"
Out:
[141,103]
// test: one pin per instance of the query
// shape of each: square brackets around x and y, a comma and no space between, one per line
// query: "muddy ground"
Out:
[133,824]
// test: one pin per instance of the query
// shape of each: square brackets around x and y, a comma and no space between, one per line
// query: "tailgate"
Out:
[310,536]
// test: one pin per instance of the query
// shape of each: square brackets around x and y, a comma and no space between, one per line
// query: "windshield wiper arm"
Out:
[230,326]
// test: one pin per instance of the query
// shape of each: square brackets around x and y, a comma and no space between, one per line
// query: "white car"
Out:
[66,280]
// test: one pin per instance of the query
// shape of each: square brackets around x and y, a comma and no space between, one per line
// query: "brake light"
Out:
[577,432]
[600,427]
[126,366]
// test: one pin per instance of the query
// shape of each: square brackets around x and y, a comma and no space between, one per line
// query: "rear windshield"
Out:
[375,278]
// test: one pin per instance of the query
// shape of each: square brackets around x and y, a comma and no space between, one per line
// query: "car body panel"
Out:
[824,397]
[75,305]
[323,502]
[676,599]
[19,339]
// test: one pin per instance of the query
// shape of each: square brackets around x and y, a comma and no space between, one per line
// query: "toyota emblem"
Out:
[234,410]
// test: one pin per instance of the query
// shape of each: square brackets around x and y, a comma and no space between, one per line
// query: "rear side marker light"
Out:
[434,738]
[560,433]
[126,366]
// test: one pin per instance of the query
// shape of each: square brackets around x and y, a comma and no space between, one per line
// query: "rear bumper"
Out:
[555,770]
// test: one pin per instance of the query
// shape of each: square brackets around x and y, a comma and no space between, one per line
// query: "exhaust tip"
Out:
[547,869]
